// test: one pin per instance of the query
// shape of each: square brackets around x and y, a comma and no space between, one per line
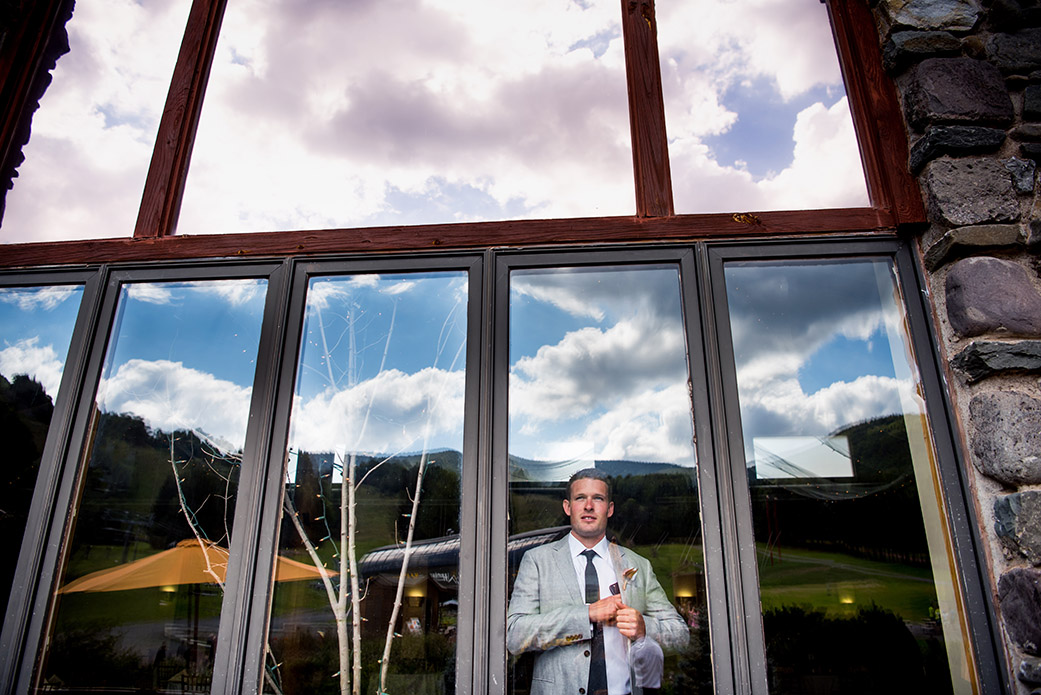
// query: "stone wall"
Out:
[968,73]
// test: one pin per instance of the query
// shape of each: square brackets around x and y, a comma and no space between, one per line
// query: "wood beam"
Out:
[477,235]
[646,110]
[164,185]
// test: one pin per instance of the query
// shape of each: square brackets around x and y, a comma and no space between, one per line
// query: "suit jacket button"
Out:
[582,691]
[587,652]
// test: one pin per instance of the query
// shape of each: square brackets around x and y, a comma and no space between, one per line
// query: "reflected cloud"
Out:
[38,362]
[150,293]
[169,396]
[39,298]
[593,366]
[788,334]
[392,412]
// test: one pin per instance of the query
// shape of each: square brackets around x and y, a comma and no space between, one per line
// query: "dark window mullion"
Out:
[713,485]
[741,569]
[22,625]
[240,649]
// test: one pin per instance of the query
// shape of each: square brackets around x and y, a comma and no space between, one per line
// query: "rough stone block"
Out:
[1019,593]
[1017,521]
[953,140]
[1013,15]
[1018,53]
[1028,132]
[1022,171]
[976,190]
[1032,103]
[987,358]
[992,295]
[957,90]
[906,47]
[961,241]
[1006,437]
[1031,150]
[950,15]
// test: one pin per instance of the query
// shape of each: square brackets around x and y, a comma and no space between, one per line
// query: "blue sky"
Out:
[35,329]
[537,127]
[811,362]
[382,365]
[597,357]
[598,367]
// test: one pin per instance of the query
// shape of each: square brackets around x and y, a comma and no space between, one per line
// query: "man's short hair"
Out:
[591,474]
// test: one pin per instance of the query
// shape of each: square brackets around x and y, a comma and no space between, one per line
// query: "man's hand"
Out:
[630,622]
[605,610]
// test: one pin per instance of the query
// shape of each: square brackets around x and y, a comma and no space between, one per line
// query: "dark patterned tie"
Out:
[597,664]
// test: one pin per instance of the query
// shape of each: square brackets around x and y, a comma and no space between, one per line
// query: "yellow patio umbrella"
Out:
[185,563]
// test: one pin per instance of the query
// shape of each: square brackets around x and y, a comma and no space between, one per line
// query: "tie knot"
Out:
[590,554]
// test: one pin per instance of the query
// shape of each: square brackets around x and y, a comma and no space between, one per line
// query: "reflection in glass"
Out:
[92,137]
[755,108]
[35,330]
[372,490]
[139,596]
[599,378]
[854,566]
[476,110]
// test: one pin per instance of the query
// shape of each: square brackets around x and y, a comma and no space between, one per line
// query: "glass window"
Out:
[599,380]
[854,561]
[139,596]
[92,137]
[756,111]
[424,111]
[372,490]
[35,330]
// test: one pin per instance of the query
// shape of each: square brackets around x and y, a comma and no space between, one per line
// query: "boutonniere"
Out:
[627,576]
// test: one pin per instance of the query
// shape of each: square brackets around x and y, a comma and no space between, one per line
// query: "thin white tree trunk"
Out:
[385,661]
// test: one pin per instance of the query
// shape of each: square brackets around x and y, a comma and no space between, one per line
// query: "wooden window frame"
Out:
[895,199]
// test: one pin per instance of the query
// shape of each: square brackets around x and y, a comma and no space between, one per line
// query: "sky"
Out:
[35,329]
[809,362]
[597,359]
[598,368]
[341,114]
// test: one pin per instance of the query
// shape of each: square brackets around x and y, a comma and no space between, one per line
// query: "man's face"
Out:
[589,510]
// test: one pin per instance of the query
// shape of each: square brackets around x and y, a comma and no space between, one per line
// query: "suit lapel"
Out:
[566,567]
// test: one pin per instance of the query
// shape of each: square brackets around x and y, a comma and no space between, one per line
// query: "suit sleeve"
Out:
[664,625]
[534,625]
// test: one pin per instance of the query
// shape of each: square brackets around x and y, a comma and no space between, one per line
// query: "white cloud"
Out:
[150,293]
[92,137]
[39,298]
[781,407]
[474,110]
[592,367]
[391,412]
[170,396]
[40,362]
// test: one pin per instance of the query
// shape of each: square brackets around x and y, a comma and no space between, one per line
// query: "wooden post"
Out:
[164,185]
[646,110]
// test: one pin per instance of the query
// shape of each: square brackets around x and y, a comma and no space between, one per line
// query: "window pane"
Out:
[92,138]
[411,112]
[139,598]
[35,330]
[755,108]
[366,581]
[599,379]
[854,562]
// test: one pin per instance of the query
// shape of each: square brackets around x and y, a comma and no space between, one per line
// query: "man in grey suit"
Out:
[593,609]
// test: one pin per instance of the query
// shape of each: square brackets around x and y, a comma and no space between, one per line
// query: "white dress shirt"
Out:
[614,641]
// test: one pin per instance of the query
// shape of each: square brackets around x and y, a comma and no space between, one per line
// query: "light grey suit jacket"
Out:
[548,613]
